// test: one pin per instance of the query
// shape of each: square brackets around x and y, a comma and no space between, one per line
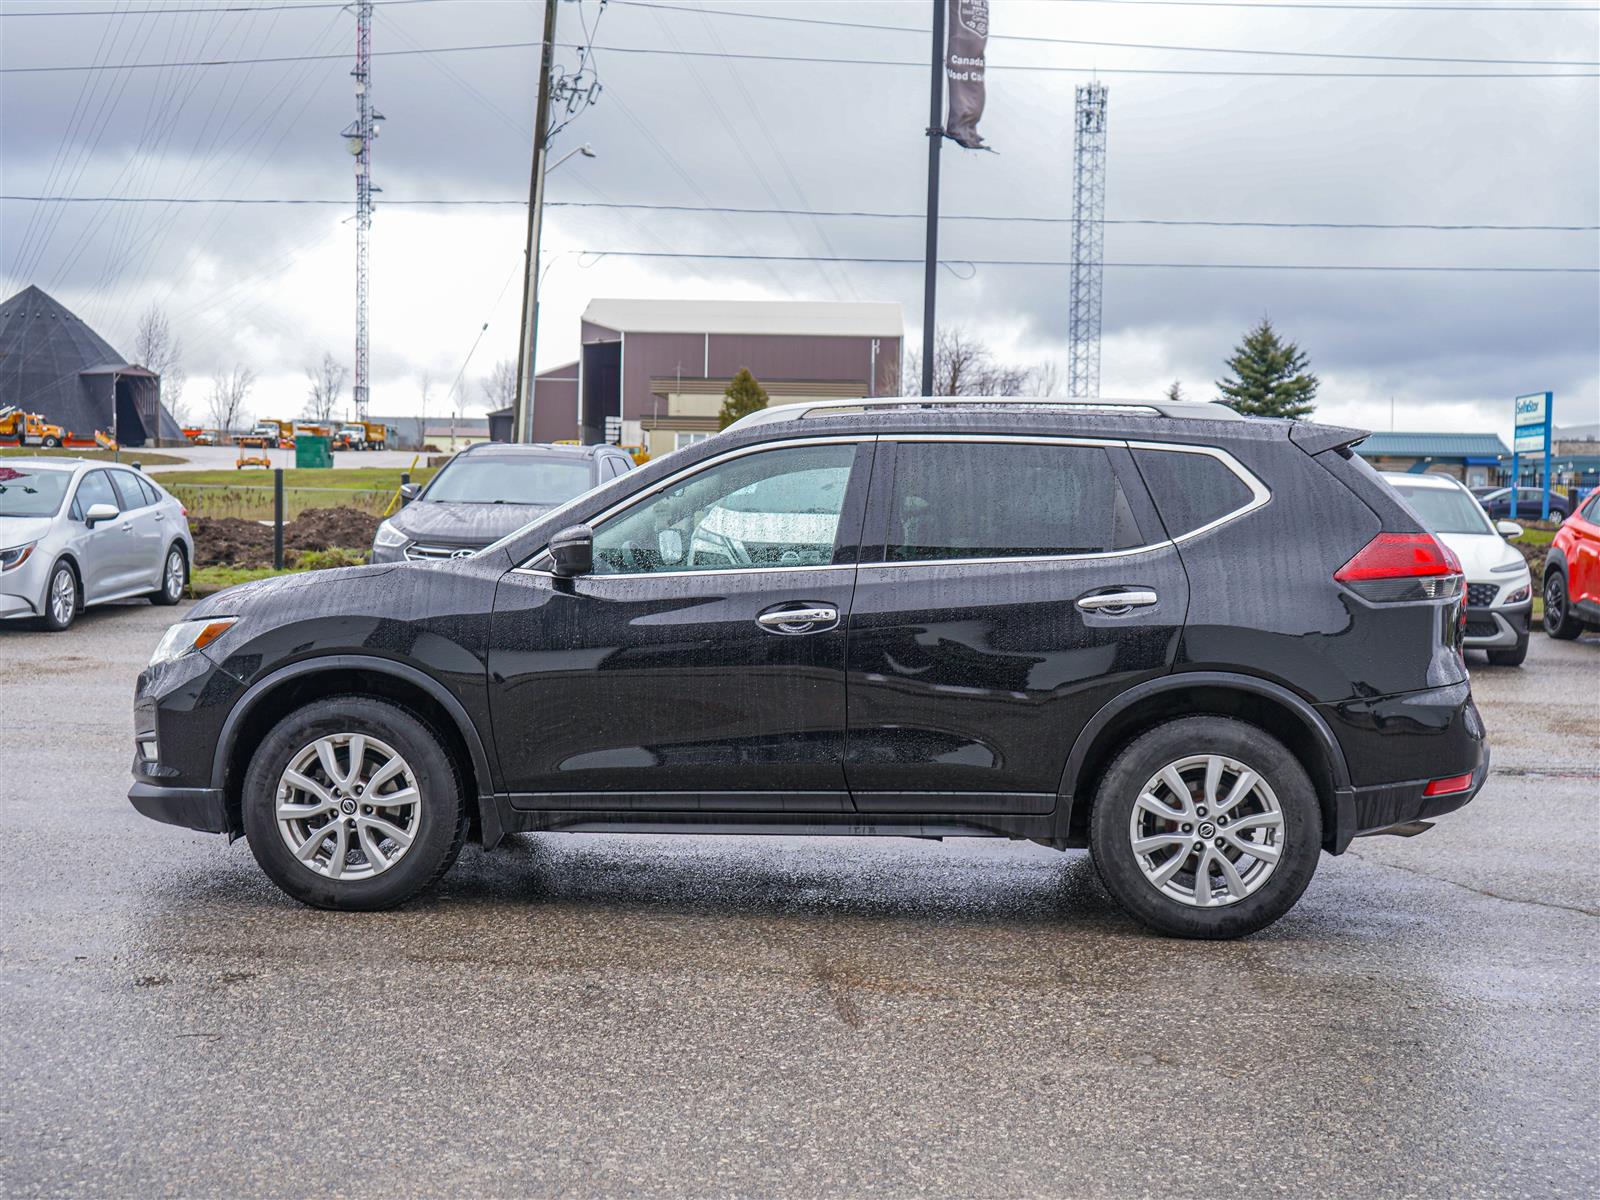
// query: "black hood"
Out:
[464,524]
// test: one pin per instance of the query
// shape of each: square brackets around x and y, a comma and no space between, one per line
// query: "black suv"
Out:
[1208,648]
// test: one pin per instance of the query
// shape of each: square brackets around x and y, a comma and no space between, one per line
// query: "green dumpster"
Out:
[313,451]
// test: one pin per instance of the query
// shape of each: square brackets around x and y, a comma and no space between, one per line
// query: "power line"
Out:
[1054,69]
[200,10]
[1040,39]
[953,263]
[821,212]
[1341,6]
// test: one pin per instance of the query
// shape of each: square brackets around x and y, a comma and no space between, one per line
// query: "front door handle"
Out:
[1114,604]
[799,620]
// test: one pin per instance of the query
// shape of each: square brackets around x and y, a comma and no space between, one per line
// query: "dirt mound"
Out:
[230,541]
[325,528]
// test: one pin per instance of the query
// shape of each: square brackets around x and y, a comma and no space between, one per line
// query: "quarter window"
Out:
[1190,490]
[127,490]
[961,500]
[778,508]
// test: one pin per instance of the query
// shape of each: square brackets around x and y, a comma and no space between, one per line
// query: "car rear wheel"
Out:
[174,577]
[61,600]
[1206,827]
[1559,619]
[353,803]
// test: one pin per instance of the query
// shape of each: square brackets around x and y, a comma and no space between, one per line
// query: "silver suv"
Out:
[75,533]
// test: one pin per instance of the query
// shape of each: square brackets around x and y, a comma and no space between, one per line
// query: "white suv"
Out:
[1499,584]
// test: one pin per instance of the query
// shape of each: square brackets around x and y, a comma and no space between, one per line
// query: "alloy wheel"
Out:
[348,806]
[172,582]
[1207,830]
[1555,602]
[63,596]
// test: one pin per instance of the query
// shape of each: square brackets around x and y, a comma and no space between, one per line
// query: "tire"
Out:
[436,820]
[1281,805]
[63,598]
[1512,657]
[1559,620]
[174,577]
[50,443]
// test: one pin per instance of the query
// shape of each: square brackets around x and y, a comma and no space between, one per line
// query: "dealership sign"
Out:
[1530,434]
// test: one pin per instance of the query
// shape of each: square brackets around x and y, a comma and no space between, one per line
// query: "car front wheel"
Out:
[353,803]
[1559,620]
[1206,827]
[174,576]
[61,602]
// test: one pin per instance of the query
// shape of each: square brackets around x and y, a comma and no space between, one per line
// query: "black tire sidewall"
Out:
[1568,627]
[1118,867]
[443,820]
[159,596]
[49,619]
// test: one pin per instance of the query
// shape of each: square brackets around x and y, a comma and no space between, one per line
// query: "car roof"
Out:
[1432,481]
[46,464]
[538,449]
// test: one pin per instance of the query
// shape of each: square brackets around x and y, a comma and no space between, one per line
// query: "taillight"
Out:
[1402,566]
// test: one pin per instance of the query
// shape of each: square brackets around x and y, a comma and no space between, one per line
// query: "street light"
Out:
[586,150]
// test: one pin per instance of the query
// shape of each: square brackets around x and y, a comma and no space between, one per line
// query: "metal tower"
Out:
[358,137]
[1088,242]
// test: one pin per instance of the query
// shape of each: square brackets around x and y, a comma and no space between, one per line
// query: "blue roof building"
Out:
[1473,458]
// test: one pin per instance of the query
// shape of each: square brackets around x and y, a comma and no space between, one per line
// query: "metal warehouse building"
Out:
[658,368]
[53,364]
[1476,459]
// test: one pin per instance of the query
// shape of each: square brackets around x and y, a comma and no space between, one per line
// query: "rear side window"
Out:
[127,490]
[1191,490]
[955,500]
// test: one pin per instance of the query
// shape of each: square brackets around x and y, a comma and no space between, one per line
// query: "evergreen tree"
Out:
[743,396]
[1269,376]
[1175,393]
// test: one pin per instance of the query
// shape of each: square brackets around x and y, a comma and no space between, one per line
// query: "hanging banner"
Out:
[966,38]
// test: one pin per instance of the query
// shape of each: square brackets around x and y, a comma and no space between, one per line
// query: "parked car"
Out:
[1572,573]
[1499,583]
[76,533]
[485,492]
[1530,503]
[1208,648]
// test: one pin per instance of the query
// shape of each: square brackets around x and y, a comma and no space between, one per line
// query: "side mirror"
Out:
[669,546]
[409,492]
[100,512]
[1509,530]
[572,552]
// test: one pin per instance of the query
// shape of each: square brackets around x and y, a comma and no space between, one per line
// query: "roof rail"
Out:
[1191,410]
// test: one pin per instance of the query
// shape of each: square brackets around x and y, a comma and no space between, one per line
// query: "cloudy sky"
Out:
[1325,134]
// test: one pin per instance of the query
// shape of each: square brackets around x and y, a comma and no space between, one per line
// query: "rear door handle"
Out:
[1114,604]
[799,620]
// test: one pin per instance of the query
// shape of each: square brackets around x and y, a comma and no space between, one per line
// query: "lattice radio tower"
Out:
[1088,242]
[358,137]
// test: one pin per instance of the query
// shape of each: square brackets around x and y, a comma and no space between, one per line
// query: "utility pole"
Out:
[522,408]
[1088,243]
[358,136]
[930,266]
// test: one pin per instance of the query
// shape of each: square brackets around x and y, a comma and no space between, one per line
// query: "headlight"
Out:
[15,556]
[388,536]
[185,636]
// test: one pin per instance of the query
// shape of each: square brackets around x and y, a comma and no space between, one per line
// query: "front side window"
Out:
[95,489]
[778,508]
[956,500]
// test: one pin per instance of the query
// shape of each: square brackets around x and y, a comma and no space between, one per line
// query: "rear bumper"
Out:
[192,808]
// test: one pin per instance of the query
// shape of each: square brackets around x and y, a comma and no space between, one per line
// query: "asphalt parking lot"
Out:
[745,1016]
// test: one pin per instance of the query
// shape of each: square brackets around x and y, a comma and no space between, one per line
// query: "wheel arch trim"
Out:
[262,687]
[1091,733]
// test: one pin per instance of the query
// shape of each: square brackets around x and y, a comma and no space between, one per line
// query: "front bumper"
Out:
[204,809]
[1497,628]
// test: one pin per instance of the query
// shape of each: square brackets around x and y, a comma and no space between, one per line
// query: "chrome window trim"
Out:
[687,472]
[1259,496]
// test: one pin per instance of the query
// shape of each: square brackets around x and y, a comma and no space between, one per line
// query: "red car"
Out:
[1572,573]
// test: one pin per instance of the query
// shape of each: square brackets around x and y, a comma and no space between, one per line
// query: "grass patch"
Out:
[380,479]
[248,494]
[1536,537]
[205,581]
[142,457]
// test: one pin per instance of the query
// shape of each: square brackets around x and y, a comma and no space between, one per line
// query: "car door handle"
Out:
[1113,604]
[798,620]
[127,527]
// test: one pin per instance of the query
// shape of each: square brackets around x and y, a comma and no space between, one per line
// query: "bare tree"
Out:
[1044,380]
[229,390]
[422,405]
[157,349]
[963,365]
[500,385]
[327,383]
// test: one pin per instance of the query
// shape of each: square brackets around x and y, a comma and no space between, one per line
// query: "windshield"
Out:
[509,479]
[1446,510]
[25,492]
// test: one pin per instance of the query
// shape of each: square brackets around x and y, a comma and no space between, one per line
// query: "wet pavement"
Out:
[746,1016]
